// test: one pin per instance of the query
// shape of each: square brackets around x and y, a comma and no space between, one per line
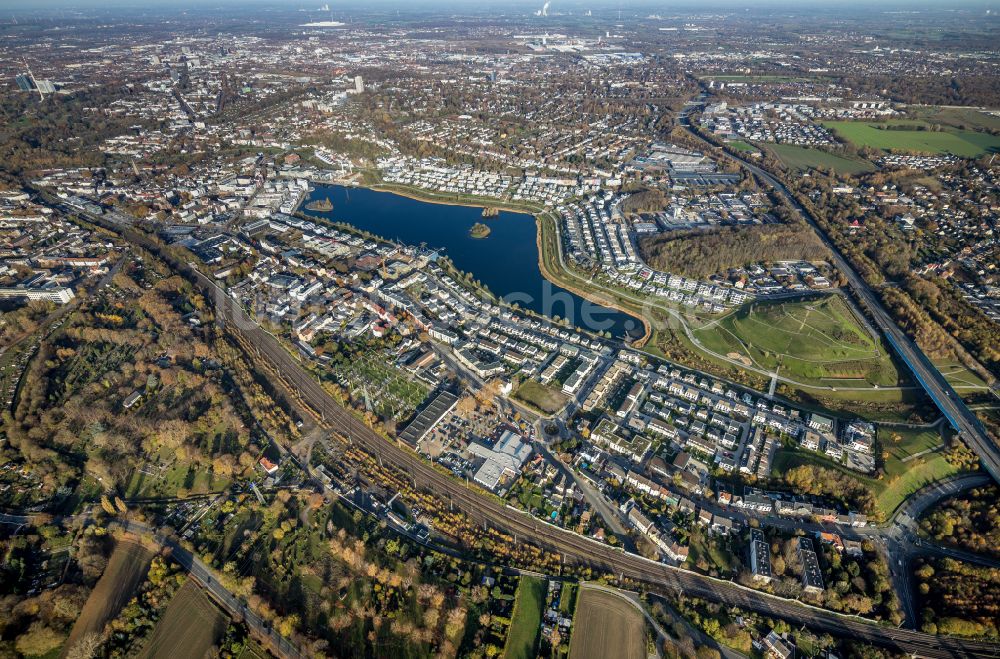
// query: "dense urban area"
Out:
[511,329]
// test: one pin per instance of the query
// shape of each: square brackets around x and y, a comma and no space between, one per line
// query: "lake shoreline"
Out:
[536,214]
[590,296]
[427,198]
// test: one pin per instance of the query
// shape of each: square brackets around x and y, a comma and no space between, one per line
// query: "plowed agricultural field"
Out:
[189,627]
[126,569]
[606,626]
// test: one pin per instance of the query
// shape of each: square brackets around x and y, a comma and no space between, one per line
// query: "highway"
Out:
[961,418]
[655,576]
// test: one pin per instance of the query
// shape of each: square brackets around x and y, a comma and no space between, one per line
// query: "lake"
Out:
[506,261]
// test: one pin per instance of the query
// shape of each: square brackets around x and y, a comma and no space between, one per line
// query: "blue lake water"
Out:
[506,261]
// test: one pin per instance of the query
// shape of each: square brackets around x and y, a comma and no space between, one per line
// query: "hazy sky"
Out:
[26,6]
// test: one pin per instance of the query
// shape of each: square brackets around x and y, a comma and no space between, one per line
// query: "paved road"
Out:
[937,387]
[597,501]
[921,501]
[576,548]
[657,577]
[233,605]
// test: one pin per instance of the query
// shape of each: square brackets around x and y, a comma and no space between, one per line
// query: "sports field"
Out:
[605,625]
[964,143]
[190,626]
[815,341]
[522,638]
[805,158]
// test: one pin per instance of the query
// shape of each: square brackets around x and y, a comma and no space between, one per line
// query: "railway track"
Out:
[572,547]
[656,577]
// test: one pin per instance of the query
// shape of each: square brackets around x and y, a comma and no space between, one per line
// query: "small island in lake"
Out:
[479,230]
[491,212]
[324,205]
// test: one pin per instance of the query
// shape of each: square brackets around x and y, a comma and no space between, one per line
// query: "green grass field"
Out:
[904,444]
[541,397]
[522,638]
[805,158]
[964,143]
[703,548]
[962,118]
[567,601]
[816,341]
[740,145]
[912,463]
[150,481]
[961,377]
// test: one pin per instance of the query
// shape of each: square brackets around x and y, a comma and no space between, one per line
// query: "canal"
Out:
[506,261]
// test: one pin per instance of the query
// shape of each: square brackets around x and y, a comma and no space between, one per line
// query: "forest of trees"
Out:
[644,201]
[699,253]
[58,133]
[970,521]
[37,624]
[968,89]
[69,420]
[831,483]
[958,598]
[23,321]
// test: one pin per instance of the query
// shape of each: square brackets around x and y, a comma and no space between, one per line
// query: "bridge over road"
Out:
[954,409]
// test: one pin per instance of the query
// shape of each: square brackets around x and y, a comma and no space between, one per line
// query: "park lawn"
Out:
[702,546]
[540,396]
[525,621]
[905,478]
[804,159]
[814,341]
[912,441]
[168,483]
[964,143]
[887,404]
[900,481]
[964,380]
[530,497]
